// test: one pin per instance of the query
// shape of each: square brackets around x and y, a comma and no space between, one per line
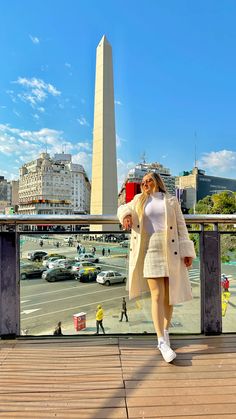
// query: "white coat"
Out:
[178,246]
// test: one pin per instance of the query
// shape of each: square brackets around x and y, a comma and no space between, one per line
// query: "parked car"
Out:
[52,259]
[30,270]
[44,236]
[87,257]
[86,266]
[87,275]
[57,274]
[36,255]
[110,277]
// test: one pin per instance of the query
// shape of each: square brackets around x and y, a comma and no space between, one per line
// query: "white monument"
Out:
[104,193]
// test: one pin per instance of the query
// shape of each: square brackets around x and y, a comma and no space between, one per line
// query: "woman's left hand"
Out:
[188,261]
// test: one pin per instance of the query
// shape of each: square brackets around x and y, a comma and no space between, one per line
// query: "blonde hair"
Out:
[159,186]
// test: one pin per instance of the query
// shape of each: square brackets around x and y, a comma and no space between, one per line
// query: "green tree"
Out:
[221,203]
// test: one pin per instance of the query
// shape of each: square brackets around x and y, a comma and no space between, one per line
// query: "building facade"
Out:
[195,185]
[53,186]
[131,185]
[9,198]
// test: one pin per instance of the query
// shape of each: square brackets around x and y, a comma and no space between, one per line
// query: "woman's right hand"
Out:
[127,222]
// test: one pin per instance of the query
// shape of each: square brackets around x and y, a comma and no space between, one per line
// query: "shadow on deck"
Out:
[118,377]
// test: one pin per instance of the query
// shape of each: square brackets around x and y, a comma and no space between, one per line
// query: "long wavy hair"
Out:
[159,186]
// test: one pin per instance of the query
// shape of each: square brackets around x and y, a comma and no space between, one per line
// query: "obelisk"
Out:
[104,191]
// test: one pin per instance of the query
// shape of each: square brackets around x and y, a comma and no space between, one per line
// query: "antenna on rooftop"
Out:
[143,158]
[195,148]
[63,150]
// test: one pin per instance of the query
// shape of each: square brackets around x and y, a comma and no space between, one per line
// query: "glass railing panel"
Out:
[53,291]
[92,271]
[228,281]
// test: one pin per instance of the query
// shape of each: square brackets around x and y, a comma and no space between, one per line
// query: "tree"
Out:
[221,203]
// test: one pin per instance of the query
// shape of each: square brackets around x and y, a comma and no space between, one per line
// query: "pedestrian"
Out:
[123,310]
[57,331]
[108,251]
[41,243]
[103,252]
[225,283]
[161,254]
[78,248]
[99,319]
[57,244]
[93,250]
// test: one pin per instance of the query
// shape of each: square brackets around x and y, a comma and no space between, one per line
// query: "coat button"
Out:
[171,227]
[172,240]
[176,253]
[135,237]
[138,226]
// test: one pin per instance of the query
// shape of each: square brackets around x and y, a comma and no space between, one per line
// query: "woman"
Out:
[160,253]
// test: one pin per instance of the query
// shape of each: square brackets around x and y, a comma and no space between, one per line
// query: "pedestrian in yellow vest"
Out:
[99,319]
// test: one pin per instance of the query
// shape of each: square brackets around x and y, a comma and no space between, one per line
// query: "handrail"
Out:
[105,219]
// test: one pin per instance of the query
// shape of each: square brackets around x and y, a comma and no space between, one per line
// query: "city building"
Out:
[104,164]
[9,198]
[195,185]
[53,186]
[131,185]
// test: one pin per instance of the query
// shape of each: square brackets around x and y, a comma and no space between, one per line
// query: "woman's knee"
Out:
[157,295]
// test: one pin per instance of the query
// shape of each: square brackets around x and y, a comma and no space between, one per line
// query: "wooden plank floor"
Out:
[123,377]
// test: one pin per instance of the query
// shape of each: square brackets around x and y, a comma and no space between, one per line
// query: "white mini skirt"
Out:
[155,257]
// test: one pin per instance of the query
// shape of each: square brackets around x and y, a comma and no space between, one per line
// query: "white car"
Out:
[87,257]
[55,263]
[110,277]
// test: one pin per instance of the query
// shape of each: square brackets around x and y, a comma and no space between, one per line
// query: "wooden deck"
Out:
[102,377]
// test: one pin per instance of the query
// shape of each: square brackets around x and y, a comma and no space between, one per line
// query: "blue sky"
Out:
[174,81]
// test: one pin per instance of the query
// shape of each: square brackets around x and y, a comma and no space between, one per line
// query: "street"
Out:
[44,304]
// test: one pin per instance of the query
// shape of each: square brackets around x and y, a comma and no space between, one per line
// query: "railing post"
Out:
[9,285]
[210,267]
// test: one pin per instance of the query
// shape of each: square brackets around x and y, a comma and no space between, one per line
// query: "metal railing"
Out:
[10,231]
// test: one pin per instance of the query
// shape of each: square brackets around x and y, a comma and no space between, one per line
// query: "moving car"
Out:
[124,243]
[87,257]
[30,270]
[86,266]
[66,263]
[110,277]
[57,274]
[36,255]
[52,259]
[87,275]
[55,263]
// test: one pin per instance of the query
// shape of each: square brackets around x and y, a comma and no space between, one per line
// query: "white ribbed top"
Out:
[154,213]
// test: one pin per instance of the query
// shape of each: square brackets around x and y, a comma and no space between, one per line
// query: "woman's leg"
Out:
[157,289]
[168,309]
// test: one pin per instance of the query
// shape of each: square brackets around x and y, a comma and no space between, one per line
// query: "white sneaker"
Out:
[167,353]
[167,337]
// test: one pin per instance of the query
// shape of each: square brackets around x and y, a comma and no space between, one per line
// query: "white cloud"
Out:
[216,162]
[118,102]
[34,39]
[68,65]
[122,170]
[36,91]
[82,121]
[22,146]
[119,140]
[85,159]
